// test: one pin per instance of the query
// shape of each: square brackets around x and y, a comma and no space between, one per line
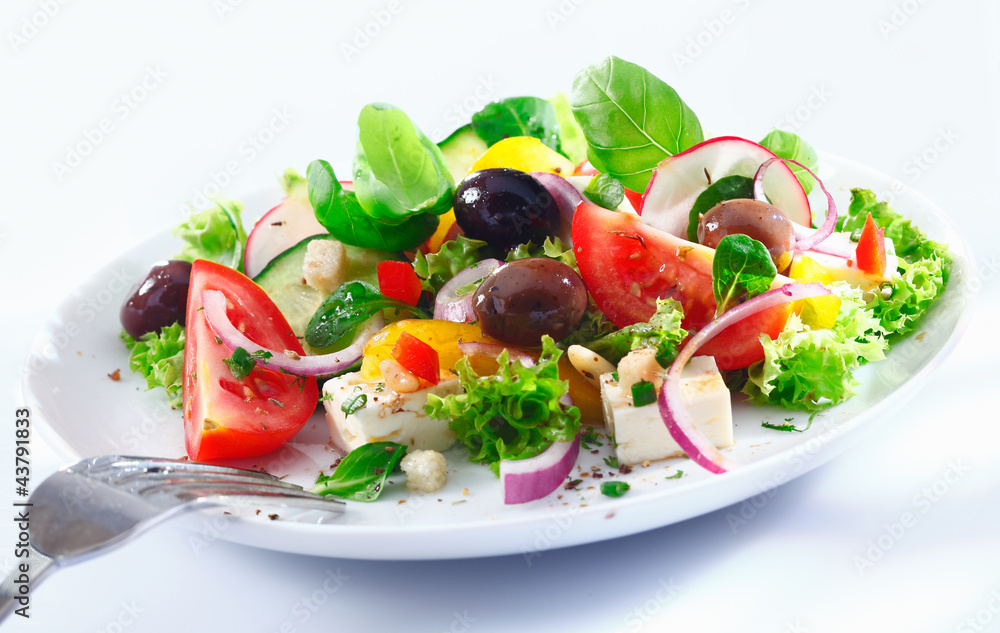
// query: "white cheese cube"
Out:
[387,416]
[640,433]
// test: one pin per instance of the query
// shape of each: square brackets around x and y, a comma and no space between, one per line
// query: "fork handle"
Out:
[12,596]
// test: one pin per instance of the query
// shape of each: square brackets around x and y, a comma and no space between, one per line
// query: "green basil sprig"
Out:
[340,213]
[349,306]
[398,172]
[614,102]
[742,267]
[361,475]
[605,190]
[518,116]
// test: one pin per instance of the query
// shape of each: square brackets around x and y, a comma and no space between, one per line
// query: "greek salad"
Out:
[554,267]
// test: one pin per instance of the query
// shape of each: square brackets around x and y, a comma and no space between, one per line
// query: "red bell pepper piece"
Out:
[397,280]
[417,357]
[870,252]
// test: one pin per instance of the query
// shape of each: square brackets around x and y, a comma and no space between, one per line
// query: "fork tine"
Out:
[119,465]
[220,492]
[140,481]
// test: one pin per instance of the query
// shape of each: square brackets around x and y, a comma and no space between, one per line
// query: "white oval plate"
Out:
[83,413]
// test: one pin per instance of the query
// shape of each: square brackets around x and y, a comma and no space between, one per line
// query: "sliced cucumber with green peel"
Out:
[283,282]
[461,150]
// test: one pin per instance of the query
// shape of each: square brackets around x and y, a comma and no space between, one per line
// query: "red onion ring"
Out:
[524,480]
[804,241]
[672,410]
[448,306]
[319,365]
[566,196]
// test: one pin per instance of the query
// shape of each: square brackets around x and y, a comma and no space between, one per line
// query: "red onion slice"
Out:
[672,410]
[494,350]
[319,365]
[803,241]
[524,480]
[566,196]
[448,306]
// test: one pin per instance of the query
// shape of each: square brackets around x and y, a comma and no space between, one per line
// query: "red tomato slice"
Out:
[870,251]
[627,265]
[397,280]
[417,357]
[228,418]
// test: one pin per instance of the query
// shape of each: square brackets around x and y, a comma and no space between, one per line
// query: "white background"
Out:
[909,88]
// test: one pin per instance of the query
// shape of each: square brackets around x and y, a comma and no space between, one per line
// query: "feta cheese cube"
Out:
[639,432]
[386,416]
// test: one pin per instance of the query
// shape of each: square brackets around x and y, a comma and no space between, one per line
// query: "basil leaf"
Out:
[361,475]
[605,190]
[742,267]
[398,172]
[518,116]
[728,188]
[790,145]
[353,303]
[631,119]
[339,212]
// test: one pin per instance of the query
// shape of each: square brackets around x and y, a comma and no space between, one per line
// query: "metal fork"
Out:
[98,504]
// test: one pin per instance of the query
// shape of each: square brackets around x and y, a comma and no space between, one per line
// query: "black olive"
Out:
[522,300]
[752,218]
[159,300]
[505,207]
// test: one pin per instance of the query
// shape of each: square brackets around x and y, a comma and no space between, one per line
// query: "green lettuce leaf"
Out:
[909,241]
[811,369]
[512,414]
[912,293]
[663,332]
[552,247]
[435,269]
[215,234]
[159,358]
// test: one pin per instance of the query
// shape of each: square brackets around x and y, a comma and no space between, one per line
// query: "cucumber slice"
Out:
[461,150]
[282,280]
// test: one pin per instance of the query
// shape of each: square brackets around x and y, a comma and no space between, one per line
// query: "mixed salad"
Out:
[555,265]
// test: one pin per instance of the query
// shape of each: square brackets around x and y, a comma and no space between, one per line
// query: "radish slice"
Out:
[448,306]
[806,241]
[524,480]
[679,422]
[679,179]
[493,351]
[566,196]
[281,228]
[320,365]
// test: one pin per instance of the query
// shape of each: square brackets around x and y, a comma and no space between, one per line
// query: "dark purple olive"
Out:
[522,300]
[159,300]
[505,207]
[752,218]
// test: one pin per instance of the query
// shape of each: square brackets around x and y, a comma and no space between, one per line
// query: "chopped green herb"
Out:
[355,402]
[677,475]
[240,364]
[611,462]
[643,393]
[614,488]
[588,438]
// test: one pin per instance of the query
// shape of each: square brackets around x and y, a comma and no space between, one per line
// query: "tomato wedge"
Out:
[627,265]
[225,417]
